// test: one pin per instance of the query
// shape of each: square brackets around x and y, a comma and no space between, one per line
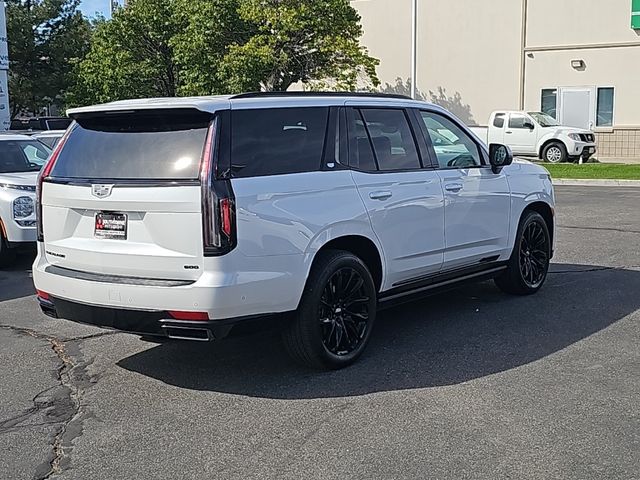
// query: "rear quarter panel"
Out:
[296,214]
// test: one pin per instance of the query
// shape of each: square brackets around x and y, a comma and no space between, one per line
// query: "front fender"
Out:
[557,136]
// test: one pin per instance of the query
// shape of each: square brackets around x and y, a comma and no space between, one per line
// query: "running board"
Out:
[393,296]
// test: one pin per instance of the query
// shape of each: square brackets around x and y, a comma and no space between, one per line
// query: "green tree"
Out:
[210,28]
[46,38]
[200,47]
[316,42]
[130,56]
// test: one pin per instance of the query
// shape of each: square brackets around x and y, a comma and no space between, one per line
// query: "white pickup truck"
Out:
[537,134]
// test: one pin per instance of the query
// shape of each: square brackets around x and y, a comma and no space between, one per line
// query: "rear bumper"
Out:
[225,290]
[141,322]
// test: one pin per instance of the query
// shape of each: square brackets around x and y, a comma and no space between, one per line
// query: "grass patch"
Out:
[599,171]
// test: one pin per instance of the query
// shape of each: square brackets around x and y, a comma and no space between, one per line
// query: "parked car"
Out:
[539,135]
[21,158]
[49,137]
[41,123]
[185,217]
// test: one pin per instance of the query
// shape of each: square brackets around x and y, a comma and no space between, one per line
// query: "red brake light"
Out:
[44,173]
[43,295]
[193,316]
[225,216]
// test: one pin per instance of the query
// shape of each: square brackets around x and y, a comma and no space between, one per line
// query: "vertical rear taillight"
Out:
[43,175]
[218,202]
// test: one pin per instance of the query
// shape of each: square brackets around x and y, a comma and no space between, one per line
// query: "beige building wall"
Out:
[467,61]
[604,67]
[598,33]
[478,56]
[578,22]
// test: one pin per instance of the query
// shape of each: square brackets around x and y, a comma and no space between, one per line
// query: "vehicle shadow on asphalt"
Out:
[15,279]
[454,337]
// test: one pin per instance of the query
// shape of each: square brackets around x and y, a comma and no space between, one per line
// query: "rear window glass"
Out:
[58,123]
[149,145]
[277,141]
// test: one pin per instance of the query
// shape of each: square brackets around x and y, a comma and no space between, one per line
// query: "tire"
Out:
[528,266]
[336,314]
[555,152]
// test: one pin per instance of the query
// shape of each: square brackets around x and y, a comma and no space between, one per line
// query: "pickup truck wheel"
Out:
[529,263]
[554,153]
[336,314]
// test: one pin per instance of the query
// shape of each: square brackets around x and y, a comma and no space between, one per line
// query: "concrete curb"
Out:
[596,183]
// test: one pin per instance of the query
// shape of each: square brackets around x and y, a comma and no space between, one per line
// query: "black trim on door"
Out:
[441,280]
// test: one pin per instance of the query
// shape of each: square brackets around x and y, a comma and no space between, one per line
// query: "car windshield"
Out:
[22,156]
[543,119]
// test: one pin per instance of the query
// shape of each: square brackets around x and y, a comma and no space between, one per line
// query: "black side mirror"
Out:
[529,125]
[499,156]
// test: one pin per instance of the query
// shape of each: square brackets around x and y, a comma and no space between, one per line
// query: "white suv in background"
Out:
[21,158]
[183,217]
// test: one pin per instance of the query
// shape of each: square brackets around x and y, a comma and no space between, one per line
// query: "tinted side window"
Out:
[391,138]
[452,146]
[35,152]
[362,156]
[58,123]
[12,159]
[498,121]
[277,141]
[516,121]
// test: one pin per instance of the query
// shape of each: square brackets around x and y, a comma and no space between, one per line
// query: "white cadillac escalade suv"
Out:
[185,217]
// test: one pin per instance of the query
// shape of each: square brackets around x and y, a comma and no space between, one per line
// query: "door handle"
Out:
[453,187]
[380,195]
[508,133]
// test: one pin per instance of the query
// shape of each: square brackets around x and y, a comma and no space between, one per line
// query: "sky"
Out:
[91,7]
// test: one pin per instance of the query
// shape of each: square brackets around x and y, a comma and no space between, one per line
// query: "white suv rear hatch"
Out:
[123,196]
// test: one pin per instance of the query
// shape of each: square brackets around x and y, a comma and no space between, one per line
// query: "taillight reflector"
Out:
[43,295]
[194,316]
[225,214]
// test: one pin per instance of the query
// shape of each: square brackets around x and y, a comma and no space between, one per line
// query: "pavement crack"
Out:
[62,404]
[603,229]
[586,270]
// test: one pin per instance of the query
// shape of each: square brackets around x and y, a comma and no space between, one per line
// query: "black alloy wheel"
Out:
[528,266]
[344,312]
[334,320]
[534,254]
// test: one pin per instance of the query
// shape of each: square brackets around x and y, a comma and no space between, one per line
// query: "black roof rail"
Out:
[320,94]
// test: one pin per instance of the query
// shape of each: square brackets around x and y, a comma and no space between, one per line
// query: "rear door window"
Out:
[131,146]
[277,141]
[382,140]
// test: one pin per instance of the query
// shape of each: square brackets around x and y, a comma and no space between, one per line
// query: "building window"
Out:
[605,107]
[549,102]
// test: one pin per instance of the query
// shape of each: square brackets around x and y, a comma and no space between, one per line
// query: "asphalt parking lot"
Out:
[469,384]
